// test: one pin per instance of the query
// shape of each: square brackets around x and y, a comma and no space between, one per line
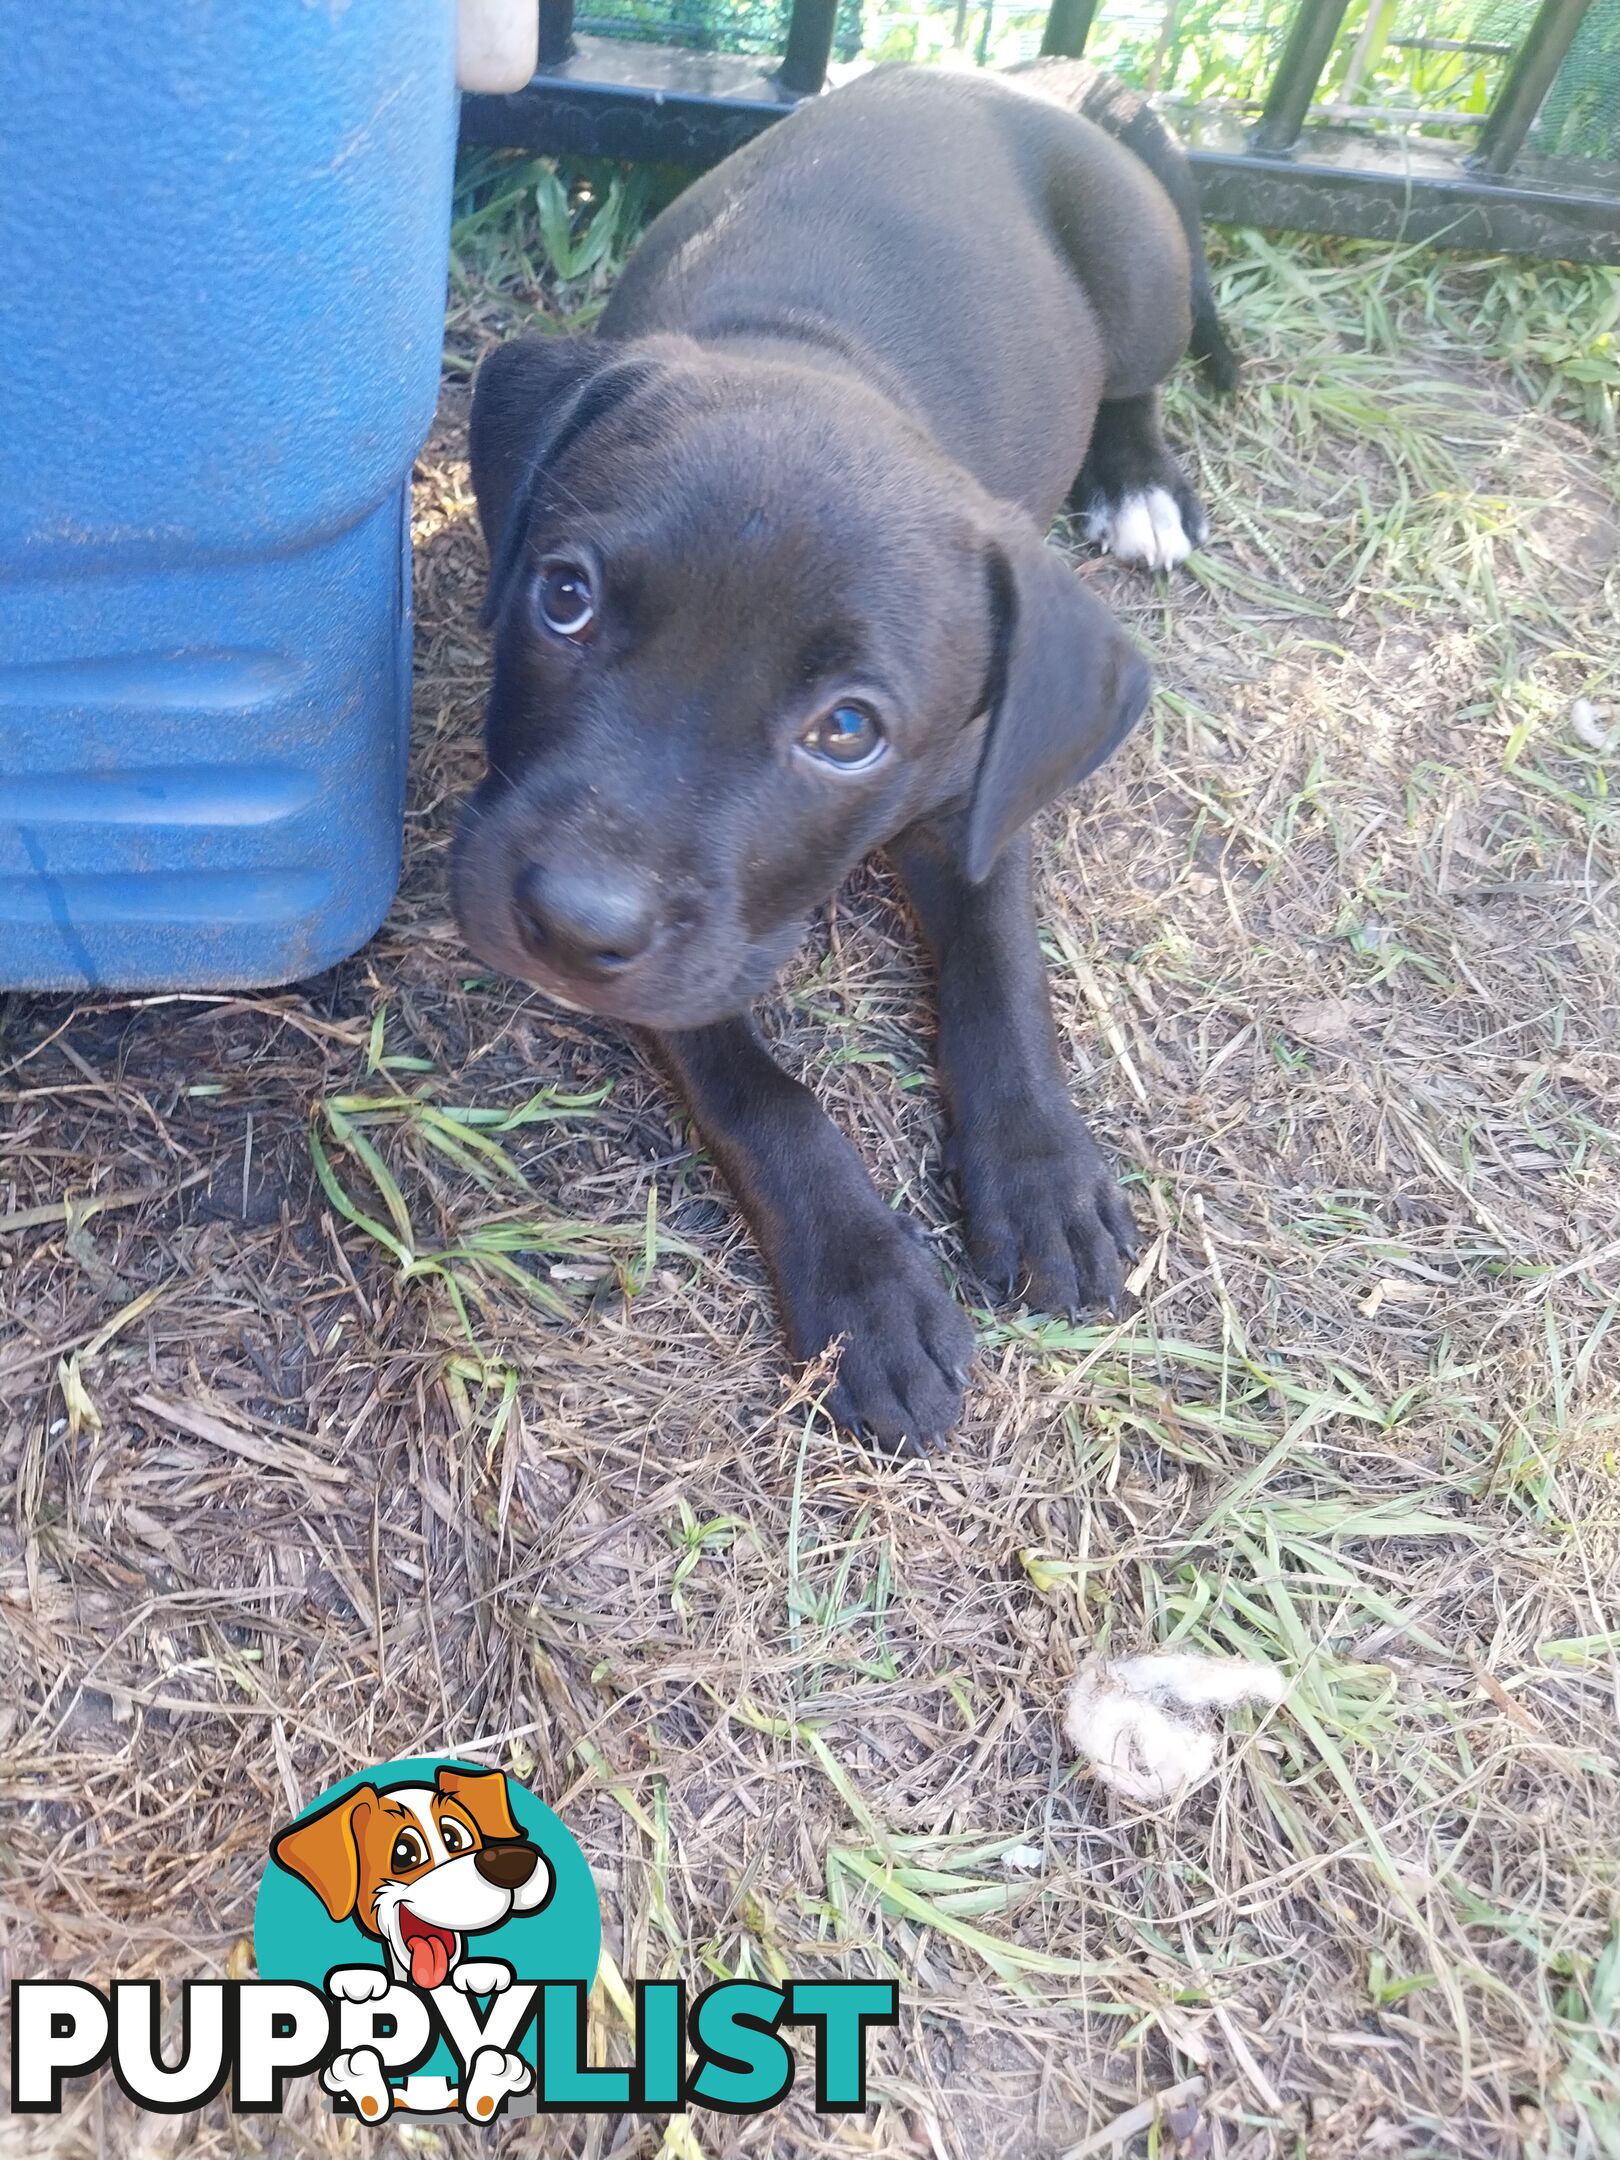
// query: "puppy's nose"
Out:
[592,922]
[507,1866]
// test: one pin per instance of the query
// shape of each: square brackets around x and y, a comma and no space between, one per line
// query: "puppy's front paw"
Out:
[359,2078]
[492,2076]
[358,1983]
[482,1976]
[907,1344]
[1046,1221]
[1156,526]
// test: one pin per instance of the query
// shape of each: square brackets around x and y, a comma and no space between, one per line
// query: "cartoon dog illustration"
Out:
[420,1868]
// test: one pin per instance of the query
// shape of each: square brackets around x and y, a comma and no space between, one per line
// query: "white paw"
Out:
[491,2077]
[482,1976]
[359,2077]
[1145,529]
[358,1983]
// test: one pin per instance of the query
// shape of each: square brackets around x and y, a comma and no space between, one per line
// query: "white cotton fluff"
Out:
[1134,1720]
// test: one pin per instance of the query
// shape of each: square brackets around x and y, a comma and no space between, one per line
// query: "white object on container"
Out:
[497,43]
[1135,1719]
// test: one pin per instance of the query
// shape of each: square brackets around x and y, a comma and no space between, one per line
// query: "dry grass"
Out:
[482,1439]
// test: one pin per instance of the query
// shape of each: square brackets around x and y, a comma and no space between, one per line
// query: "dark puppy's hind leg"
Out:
[1127,115]
[1209,346]
[1132,497]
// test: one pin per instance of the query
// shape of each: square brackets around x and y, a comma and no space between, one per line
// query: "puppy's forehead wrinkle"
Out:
[830,650]
[622,390]
[748,437]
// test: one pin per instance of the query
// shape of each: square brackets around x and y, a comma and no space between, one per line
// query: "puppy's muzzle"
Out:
[507,1866]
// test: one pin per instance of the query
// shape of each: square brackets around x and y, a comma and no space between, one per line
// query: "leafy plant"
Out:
[352,1138]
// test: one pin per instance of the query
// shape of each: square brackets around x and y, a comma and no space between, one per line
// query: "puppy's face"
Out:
[748,625]
[420,1867]
[422,1890]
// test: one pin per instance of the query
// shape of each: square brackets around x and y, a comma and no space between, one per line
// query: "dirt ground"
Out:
[486,1443]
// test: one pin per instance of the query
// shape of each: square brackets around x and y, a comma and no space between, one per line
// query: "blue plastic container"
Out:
[223,230]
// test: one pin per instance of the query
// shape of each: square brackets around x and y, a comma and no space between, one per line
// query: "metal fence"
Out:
[1470,123]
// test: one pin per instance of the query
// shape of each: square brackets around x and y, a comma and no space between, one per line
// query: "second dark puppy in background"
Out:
[770,589]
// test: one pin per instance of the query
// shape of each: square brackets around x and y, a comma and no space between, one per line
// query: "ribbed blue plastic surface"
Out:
[222,252]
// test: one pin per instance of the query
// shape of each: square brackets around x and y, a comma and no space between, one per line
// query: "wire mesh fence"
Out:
[1581,115]
[734,26]
[1424,67]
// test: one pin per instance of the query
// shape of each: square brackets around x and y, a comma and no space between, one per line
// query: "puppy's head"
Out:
[749,624]
[420,1867]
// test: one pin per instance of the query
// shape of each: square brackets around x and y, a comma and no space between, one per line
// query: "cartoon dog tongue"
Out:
[430,1958]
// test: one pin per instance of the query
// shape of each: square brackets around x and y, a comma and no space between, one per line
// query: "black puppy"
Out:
[770,589]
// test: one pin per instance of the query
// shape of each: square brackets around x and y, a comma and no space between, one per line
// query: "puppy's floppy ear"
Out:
[1066,688]
[323,1850]
[531,399]
[483,1794]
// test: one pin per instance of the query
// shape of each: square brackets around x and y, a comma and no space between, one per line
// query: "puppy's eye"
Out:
[848,736]
[455,1838]
[408,1852]
[566,603]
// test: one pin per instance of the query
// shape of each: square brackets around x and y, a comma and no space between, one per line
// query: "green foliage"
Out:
[551,232]
[1445,60]
[391,1162]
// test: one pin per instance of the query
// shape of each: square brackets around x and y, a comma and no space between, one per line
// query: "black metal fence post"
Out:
[1067,27]
[811,27]
[556,31]
[1311,36]
[1529,79]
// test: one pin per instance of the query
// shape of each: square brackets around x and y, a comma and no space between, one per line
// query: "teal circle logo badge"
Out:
[429,1899]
